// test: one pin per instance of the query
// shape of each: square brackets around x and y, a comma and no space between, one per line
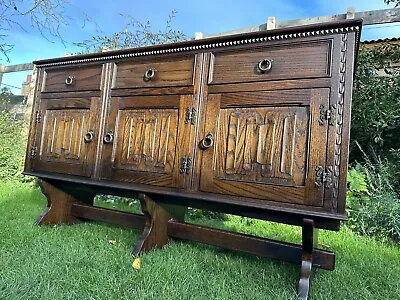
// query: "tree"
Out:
[5,96]
[134,34]
[396,2]
[46,16]
[376,102]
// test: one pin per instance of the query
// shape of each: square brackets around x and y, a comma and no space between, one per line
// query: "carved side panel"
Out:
[265,145]
[63,135]
[146,140]
[339,120]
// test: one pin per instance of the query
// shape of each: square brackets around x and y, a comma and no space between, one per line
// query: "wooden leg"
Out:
[157,216]
[309,241]
[59,204]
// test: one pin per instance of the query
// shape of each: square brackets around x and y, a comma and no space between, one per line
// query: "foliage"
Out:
[12,145]
[5,96]
[196,213]
[372,204]
[376,102]
[135,34]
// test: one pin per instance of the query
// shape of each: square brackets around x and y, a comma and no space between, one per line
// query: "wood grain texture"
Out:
[88,212]
[288,213]
[59,204]
[167,72]
[264,151]
[274,85]
[317,154]
[289,61]
[147,146]
[309,242]
[86,78]
[62,147]
[249,244]
[260,145]
[155,230]
[34,126]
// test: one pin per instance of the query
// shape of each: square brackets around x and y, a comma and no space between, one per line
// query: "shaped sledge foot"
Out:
[59,203]
[309,240]
[157,216]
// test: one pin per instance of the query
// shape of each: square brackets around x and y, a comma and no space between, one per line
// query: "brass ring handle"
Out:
[207,142]
[149,74]
[108,137]
[70,80]
[264,65]
[89,136]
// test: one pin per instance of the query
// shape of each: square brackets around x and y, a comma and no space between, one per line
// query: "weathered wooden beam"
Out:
[17,68]
[372,17]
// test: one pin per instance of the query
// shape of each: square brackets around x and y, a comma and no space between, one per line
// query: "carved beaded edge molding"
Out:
[277,37]
[339,119]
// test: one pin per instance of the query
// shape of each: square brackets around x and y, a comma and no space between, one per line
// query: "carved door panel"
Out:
[266,145]
[149,135]
[68,135]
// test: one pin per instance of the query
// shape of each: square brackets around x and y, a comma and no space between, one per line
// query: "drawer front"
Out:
[135,74]
[87,78]
[303,60]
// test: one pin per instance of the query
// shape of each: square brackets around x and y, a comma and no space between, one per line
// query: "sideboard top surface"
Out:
[206,44]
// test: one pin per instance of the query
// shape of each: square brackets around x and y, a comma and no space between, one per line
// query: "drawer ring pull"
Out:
[264,65]
[89,136]
[108,137]
[207,142]
[149,74]
[70,80]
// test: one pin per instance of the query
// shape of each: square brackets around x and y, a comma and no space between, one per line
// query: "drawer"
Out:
[161,73]
[77,78]
[302,60]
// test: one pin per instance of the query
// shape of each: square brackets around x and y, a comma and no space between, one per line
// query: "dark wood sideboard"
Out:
[254,124]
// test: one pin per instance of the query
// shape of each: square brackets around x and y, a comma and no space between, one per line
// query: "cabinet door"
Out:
[149,135]
[68,135]
[265,145]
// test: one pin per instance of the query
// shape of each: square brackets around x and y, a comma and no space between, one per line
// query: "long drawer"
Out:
[72,79]
[173,71]
[301,60]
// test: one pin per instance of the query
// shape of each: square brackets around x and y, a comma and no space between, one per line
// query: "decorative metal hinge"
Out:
[323,178]
[327,115]
[38,116]
[33,152]
[190,116]
[186,165]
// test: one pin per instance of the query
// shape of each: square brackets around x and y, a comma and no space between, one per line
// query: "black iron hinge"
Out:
[323,178]
[33,152]
[327,115]
[186,165]
[38,116]
[190,115]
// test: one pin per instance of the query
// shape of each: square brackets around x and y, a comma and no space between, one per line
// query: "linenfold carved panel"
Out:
[63,135]
[147,140]
[266,145]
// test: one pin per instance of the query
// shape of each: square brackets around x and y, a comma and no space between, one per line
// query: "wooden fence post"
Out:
[29,103]
[271,23]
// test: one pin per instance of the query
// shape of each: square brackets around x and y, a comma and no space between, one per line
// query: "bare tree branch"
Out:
[45,16]
[135,34]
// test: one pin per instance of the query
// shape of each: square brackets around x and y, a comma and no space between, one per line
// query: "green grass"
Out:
[77,262]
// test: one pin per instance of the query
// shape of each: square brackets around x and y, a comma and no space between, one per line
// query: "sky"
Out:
[204,16]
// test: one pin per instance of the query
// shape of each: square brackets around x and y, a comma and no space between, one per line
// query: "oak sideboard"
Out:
[254,124]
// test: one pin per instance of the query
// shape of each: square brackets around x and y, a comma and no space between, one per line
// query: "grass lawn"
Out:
[78,262]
